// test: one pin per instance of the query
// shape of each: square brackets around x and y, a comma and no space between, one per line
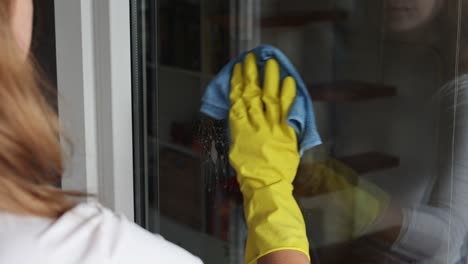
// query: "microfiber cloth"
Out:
[216,103]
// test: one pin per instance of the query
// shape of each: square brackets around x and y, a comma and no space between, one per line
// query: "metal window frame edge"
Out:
[95,98]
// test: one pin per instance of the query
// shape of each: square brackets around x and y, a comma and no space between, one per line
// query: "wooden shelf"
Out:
[179,148]
[184,72]
[370,161]
[343,91]
[303,19]
[296,20]
[361,163]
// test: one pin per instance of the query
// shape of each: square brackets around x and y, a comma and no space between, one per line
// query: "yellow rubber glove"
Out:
[264,153]
[360,202]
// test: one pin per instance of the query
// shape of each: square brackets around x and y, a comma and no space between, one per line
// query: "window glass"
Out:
[43,42]
[387,81]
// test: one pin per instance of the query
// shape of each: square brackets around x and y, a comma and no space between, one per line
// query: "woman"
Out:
[41,224]
[435,230]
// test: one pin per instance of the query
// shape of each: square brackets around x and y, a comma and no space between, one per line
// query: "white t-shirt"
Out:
[87,234]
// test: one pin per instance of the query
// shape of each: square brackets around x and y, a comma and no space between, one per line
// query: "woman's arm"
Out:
[264,153]
[437,230]
[389,226]
[284,256]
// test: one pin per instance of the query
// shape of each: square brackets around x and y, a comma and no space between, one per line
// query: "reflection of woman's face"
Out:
[404,15]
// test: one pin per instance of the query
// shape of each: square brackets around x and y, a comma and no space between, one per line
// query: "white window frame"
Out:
[95,98]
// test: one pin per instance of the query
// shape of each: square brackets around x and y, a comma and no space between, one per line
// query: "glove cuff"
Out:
[274,220]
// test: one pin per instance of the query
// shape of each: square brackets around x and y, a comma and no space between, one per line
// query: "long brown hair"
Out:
[31,161]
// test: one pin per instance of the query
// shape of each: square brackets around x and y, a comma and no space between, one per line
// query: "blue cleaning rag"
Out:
[216,103]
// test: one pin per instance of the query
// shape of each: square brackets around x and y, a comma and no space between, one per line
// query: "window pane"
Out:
[386,78]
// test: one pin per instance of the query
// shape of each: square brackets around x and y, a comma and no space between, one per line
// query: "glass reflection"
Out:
[387,79]
[382,223]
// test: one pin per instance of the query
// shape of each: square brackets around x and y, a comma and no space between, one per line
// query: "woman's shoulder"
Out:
[120,238]
[91,233]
